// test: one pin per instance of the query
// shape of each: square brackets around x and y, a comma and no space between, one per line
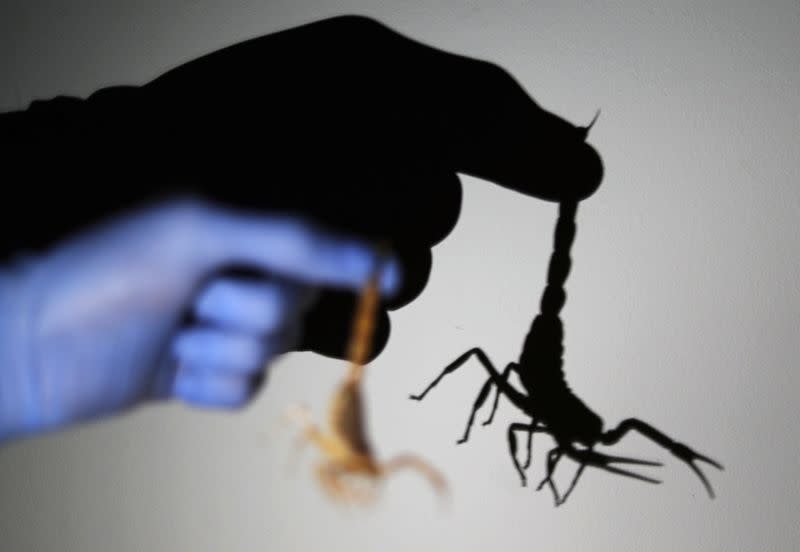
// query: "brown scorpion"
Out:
[553,408]
[345,446]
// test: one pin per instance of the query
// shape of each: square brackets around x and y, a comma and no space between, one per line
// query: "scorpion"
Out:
[552,406]
[346,449]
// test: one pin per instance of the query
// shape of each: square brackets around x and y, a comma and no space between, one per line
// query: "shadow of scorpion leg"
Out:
[512,446]
[452,367]
[552,461]
[596,459]
[527,463]
[504,375]
[530,429]
[479,400]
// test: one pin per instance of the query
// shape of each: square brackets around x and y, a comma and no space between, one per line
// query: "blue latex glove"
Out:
[98,323]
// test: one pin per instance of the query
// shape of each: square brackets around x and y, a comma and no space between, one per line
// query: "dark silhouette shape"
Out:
[554,409]
[342,121]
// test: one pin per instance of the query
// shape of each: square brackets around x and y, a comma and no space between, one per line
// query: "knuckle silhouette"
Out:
[360,26]
[494,73]
[353,33]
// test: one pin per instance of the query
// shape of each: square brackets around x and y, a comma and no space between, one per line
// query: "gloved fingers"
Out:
[213,390]
[221,368]
[289,247]
[255,306]
[216,352]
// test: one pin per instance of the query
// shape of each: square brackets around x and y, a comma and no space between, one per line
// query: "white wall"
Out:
[683,300]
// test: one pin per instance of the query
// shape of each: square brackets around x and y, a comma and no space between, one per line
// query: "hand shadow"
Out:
[342,121]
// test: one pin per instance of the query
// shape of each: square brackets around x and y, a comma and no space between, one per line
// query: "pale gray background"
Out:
[683,301]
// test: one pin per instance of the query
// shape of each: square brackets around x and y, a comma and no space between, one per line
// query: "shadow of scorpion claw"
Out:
[689,456]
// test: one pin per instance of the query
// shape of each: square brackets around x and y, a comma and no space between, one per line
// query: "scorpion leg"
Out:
[505,375]
[512,445]
[680,450]
[527,463]
[588,457]
[519,400]
[482,396]
[452,367]
[582,467]
[573,483]
[479,400]
[552,460]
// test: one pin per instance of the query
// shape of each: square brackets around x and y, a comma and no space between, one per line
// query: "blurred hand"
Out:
[100,323]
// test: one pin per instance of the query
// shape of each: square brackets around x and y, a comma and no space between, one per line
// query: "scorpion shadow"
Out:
[552,406]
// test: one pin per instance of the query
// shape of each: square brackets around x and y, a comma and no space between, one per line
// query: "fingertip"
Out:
[391,278]
[358,262]
[355,260]
[589,172]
